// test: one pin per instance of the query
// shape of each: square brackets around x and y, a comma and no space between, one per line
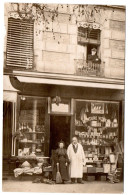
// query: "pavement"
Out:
[87,187]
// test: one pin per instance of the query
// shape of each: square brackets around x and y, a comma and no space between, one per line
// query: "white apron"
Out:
[76,161]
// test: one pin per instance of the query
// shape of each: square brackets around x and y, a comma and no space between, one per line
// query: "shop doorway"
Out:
[59,130]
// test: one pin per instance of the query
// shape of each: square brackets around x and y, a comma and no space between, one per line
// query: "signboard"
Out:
[63,107]
[97,108]
[60,108]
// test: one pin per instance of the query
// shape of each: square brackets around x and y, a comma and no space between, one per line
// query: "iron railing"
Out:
[88,68]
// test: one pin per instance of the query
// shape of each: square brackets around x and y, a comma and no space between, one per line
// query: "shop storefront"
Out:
[44,114]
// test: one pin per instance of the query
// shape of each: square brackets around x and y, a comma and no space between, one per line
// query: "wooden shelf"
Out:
[97,126]
[99,145]
[34,132]
[80,126]
[111,127]
[33,142]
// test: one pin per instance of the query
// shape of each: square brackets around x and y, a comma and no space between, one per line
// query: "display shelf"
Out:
[80,126]
[96,126]
[33,142]
[32,157]
[34,132]
[108,139]
[111,127]
[99,145]
[26,157]
[104,127]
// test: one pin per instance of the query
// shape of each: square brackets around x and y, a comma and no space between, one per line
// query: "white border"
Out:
[127,76]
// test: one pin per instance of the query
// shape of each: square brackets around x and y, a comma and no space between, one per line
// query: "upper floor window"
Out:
[88,60]
[90,38]
[89,33]
[20,43]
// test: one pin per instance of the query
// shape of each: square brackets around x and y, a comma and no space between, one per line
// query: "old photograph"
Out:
[63,98]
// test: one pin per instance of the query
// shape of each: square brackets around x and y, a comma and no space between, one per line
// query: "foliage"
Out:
[48,14]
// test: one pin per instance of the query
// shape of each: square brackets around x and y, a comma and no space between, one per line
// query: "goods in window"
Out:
[31,127]
[96,125]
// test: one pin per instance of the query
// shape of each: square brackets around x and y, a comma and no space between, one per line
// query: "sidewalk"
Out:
[87,187]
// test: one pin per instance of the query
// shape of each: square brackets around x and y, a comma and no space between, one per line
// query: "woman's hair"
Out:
[61,142]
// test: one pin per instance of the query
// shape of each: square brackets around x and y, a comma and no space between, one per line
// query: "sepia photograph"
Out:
[63,97]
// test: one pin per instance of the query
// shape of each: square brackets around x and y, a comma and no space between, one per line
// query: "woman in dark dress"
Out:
[60,158]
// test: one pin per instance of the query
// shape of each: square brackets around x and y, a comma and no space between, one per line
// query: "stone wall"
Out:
[113,44]
[57,55]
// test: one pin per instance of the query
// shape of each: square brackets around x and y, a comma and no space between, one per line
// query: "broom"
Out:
[58,175]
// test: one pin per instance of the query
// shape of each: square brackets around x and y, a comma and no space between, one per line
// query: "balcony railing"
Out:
[83,68]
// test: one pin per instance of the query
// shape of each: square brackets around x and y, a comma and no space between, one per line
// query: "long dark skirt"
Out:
[64,170]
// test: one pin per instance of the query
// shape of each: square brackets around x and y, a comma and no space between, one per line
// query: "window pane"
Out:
[31,126]
[97,127]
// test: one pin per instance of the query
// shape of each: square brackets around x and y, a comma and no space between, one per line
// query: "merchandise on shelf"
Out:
[97,131]
[31,127]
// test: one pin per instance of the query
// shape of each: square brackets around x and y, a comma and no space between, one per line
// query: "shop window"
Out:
[19,43]
[97,127]
[31,131]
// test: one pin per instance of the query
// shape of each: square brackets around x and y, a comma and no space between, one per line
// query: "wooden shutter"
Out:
[93,34]
[20,43]
[88,35]
[82,32]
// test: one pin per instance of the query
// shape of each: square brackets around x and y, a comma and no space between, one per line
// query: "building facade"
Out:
[55,89]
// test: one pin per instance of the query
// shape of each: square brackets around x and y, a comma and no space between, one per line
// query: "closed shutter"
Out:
[20,43]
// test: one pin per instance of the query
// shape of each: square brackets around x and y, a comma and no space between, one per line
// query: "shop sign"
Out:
[60,108]
[97,108]
[63,107]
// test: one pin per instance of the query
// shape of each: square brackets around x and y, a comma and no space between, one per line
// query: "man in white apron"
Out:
[76,156]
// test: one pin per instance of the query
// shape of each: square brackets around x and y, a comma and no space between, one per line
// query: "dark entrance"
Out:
[59,130]
[7,135]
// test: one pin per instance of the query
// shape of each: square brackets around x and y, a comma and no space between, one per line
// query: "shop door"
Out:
[59,130]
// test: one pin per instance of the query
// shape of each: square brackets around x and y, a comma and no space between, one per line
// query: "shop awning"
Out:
[69,80]
[9,92]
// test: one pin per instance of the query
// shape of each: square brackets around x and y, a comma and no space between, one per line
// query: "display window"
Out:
[31,131]
[97,128]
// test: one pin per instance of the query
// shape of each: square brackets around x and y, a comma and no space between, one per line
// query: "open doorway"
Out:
[59,130]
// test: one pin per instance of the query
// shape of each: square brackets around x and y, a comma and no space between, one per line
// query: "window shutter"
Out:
[88,35]
[93,34]
[20,43]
